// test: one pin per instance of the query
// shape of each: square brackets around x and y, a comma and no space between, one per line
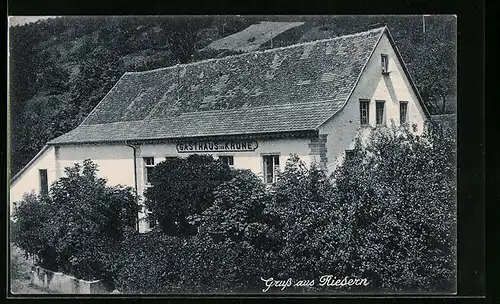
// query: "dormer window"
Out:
[385,63]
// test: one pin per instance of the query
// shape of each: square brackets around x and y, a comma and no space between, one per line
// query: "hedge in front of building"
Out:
[387,215]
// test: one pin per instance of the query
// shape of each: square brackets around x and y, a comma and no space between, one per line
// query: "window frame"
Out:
[405,103]
[43,182]
[349,153]
[384,63]
[378,102]
[147,183]
[228,156]
[148,218]
[367,102]
[276,167]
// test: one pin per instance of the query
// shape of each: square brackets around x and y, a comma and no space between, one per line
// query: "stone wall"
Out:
[60,283]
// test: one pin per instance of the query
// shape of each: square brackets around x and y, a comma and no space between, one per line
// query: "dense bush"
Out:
[386,214]
[302,208]
[228,253]
[79,227]
[236,240]
[182,187]
[149,263]
[238,212]
[227,266]
[28,226]
[397,219]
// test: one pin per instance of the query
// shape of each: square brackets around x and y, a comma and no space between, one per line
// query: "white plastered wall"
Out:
[29,179]
[343,128]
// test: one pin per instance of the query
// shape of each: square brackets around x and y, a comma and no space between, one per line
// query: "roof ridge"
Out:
[257,52]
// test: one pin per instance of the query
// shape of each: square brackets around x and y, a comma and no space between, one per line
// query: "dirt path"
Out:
[20,274]
[24,287]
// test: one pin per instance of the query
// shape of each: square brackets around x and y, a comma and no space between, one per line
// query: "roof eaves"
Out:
[18,174]
[155,138]
[357,79]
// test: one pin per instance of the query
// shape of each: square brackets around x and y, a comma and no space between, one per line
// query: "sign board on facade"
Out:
[217,146]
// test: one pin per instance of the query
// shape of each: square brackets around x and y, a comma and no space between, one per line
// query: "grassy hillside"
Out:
[61,68]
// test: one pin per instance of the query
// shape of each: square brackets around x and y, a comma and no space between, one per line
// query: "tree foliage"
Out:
[302,207]
[388,214]
[398,225]
[181,187]
[238,213]
[78,228]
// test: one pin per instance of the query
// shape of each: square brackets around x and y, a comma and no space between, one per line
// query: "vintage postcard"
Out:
[233,155]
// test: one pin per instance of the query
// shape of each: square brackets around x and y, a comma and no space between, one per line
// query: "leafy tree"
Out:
[398,220]
[182,187]
[387,214]
[29,220]
[435,67]
[79,227]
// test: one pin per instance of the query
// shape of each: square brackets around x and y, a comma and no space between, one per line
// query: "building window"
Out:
[385,63]
[403,112]
[379,112]
[364,111]
[149,164]
[228,160]
[44,182]
[271,166]
[349,154]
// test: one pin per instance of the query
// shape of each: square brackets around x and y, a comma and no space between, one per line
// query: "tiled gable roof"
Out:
[265,119]
[291,88]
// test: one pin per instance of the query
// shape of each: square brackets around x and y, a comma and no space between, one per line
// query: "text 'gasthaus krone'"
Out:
[213,146]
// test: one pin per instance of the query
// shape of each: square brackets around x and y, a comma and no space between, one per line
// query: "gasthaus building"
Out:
[250,110]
